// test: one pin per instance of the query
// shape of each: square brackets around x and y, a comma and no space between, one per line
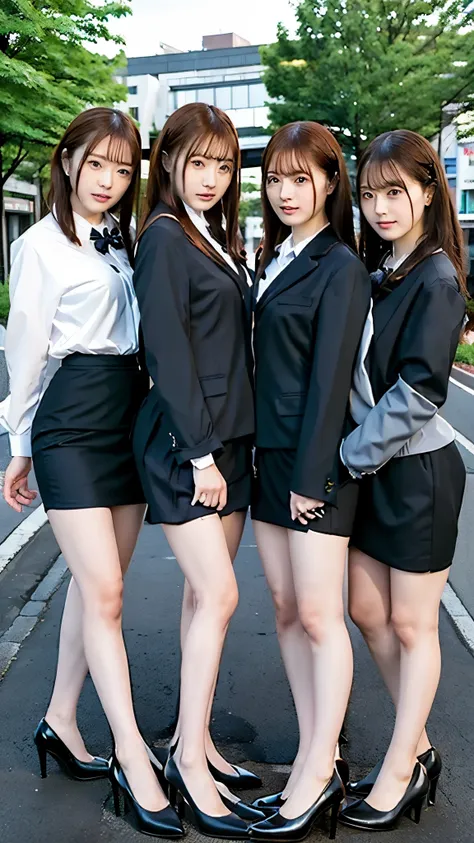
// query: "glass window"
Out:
[132,89]
[257,95]
[134,113]
[205,95]
[190,95]
[240,96]
[242,118]
[223,98]
[261,117]
[180,98]
[467,202]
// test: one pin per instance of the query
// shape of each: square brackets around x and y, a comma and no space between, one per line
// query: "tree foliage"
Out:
[363,67]
[48,74]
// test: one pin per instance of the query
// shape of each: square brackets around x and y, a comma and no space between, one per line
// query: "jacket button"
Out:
[330,486]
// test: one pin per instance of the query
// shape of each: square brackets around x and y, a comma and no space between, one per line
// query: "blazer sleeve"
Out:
[426,354]
[340,321]
[162,285]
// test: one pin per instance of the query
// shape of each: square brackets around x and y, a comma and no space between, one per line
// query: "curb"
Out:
[21,535]
[30,614]
[460,617]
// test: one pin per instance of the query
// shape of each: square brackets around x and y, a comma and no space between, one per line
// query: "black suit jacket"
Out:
[308,325]
[195,321]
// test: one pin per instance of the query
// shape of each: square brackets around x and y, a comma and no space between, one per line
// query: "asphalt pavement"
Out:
[253,719]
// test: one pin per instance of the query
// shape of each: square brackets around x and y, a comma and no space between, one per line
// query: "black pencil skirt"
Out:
[81,434]
[169,486]
[271,496]
[408,512]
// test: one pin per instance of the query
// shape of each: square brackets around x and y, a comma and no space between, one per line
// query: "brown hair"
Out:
[89,129]
[292,149]
[197,129]
[381,166]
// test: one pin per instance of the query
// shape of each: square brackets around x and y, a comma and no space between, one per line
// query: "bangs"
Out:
[288,161]
[220,146]
[121,148]
[381,172]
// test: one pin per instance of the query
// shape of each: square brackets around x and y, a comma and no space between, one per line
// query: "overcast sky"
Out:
[182,23]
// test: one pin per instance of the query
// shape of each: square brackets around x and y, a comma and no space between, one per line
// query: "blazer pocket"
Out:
[291,404]
[213,385]
[304,301]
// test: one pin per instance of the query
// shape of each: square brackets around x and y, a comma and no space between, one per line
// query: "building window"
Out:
[257,95]
[467,202]
[205,95]
[223,98]
[134,113]
[132,89]
[450,166]
[240,96]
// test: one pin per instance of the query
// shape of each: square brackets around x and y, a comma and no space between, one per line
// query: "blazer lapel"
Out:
[300,267]
[390,304]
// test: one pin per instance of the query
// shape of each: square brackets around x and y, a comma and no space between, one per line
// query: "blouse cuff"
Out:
[203,462]
[20,444]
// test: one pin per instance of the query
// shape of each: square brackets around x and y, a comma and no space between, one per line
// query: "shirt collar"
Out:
[288,247]
[198,219]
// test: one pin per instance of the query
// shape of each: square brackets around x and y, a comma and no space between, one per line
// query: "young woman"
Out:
[193,435]
[406,523]
[312,298]
[71,349]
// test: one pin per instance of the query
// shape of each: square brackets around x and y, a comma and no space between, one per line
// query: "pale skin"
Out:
[305,571]
[205,549]
[397,611]
[91,630]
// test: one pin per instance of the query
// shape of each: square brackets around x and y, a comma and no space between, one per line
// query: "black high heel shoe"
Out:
[227,827]
[272,801]
[239,780]
[158,766]
[282,829]
[244,811]
[431,761]
[361,815]
[164,823]
[48,743]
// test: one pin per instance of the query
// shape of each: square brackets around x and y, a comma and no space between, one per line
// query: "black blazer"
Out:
[308,325]
[416,328]
[195,321]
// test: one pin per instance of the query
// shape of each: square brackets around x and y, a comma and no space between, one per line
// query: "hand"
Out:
[301,508]
[210,487]
[15,487]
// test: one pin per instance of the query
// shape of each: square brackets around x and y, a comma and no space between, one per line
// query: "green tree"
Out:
[363,67]
[48,74]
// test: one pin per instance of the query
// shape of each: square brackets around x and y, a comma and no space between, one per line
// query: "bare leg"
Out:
[274,550]
[201,550]
[318,563]
[72,667]
[415,617]
[370,608]
[87,539]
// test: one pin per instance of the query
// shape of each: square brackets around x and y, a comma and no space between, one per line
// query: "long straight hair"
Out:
[88,130]
[196,129]
[382,164]
[294,149]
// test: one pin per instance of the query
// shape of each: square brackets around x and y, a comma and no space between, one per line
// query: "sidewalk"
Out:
[253,719]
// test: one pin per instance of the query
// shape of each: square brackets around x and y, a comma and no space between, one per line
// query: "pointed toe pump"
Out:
[363,816]
[431,761]
[48,743]
[164,823]
[285,830]
[272,802]
[240,779]
[226,827]
[246,812]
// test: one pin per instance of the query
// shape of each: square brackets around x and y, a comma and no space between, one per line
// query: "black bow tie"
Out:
[103,241]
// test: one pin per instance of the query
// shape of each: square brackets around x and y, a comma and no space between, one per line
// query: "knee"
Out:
[286,610]
[106,600]
[319,622]
[221,601]
[410,629]
[367,616]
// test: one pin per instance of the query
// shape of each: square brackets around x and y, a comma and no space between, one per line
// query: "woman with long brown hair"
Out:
[193,435]
[71,350]
[312,298]
[406,523]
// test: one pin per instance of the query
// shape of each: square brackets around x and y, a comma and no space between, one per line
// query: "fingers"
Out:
[222,499]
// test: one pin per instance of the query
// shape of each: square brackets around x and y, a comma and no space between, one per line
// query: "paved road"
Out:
[253,719]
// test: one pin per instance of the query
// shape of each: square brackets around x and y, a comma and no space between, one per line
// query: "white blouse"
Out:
[64,299]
